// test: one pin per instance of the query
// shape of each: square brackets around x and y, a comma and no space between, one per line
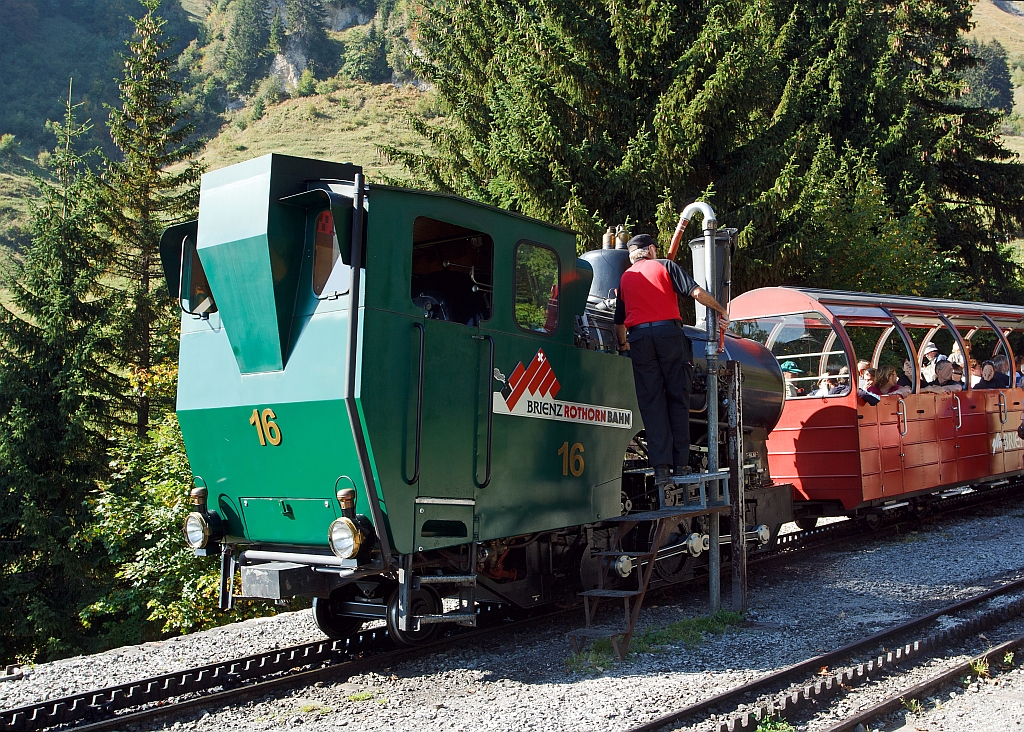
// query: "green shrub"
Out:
[365,56]
[271,90]
[258,109]
[307,84]
[427,106]
[160,586]
[8,145]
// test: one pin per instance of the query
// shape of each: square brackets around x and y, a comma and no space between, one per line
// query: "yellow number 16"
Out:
[572,459]
[266,428]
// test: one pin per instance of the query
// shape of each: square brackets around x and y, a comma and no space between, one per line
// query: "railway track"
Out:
[244,678]
[899,699]
[817,688]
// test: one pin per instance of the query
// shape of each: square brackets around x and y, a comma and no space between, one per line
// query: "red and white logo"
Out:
[531,391]
[539,380]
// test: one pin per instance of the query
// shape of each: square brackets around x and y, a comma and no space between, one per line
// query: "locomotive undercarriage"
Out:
[442,586]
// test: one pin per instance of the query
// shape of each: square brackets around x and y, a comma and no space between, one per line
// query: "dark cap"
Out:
[641,241]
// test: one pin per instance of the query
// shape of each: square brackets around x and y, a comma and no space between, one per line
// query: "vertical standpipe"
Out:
[710,283]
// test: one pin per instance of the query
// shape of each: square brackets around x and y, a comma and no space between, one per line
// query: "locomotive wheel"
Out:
[679,566]
[921,508]
[873,520]
[424,602]
[807,523]
[328,618]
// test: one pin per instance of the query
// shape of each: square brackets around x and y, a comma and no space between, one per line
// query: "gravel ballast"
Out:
[526,681]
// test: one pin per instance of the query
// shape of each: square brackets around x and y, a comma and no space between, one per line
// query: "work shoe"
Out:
[682,470]
[661,475]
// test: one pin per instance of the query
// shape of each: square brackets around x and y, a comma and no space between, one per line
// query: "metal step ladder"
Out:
[697,504]
[464,614]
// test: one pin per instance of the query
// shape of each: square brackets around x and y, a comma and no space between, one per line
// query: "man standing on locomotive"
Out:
[649,326]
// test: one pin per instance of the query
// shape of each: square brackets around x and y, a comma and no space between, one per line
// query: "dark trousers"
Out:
[662,371]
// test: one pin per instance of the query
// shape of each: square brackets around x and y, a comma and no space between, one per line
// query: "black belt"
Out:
[677,323]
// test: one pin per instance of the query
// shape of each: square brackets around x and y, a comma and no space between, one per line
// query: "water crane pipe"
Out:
[710,222]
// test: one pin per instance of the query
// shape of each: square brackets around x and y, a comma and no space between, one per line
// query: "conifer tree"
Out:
[55,403]
[277,33]
[988,84]
[248,38]
[306,23]
[142,197]
[590,113]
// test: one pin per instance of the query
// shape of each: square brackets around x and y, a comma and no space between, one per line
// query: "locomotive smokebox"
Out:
[725,244]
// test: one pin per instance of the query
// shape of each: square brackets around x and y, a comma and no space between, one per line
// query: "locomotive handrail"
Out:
[419,406]
[901,411]
[490,411]
[355,421]
[959,413]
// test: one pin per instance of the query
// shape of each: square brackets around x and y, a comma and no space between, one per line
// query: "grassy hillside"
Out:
[994,22]
[16,190]
[345,125]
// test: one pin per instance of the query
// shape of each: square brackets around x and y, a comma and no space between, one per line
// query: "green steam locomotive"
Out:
[391,398]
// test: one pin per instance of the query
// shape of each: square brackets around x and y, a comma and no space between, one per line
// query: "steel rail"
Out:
[95,705]
[947,677]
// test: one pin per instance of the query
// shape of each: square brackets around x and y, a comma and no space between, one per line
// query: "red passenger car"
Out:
[845,455]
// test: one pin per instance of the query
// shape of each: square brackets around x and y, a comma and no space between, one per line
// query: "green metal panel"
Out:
[251,246]
[233,247]
[288,520]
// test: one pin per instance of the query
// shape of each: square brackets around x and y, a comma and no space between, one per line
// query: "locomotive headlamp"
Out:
[197,530]
[344,538]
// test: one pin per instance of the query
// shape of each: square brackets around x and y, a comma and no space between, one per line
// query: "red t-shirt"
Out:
[648,292]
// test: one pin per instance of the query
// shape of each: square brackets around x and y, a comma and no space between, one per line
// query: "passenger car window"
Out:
[537,278]
[194,296]
[331,276]
[808,350]
[452,270]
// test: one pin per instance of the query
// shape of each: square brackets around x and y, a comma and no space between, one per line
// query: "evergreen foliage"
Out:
[307,83]
[248,39]
[55,397]
[595,113]
[277,33]
[306,24]
[988,83]
[159,585]
[142,197]
[365,56]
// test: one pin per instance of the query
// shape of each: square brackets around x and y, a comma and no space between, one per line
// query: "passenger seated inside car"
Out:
[958,373]
[975,372]
[842,385]
[989,377]
[825,385]
[907,375]
[886,382]
[1002,377]
[862,369]
[867,378]
[790,370]
[944,381]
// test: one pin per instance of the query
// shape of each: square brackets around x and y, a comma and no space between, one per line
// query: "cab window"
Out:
[331,276]
[536,287]
[452,269]
[195,296]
